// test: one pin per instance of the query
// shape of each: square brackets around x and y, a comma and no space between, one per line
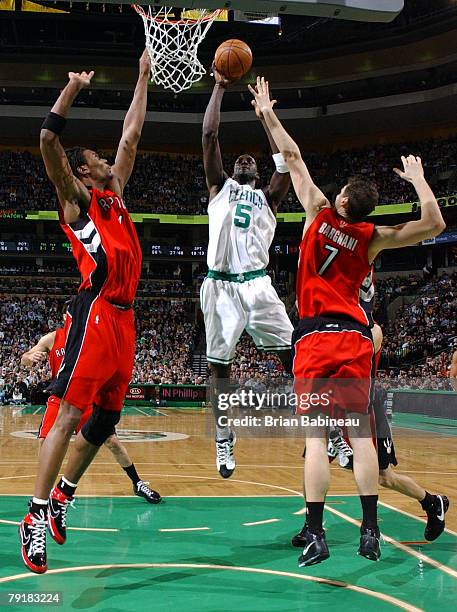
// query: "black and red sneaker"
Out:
[57,515]
[435,518]
[32,535]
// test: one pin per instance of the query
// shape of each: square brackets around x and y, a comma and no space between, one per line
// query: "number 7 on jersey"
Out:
[333,253]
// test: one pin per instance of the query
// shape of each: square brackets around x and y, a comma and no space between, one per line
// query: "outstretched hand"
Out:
[412,169]
[145,63]
[262,100]
[220,79]
[82,79]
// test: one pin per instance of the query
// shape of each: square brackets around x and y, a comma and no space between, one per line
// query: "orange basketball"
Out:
[233,59]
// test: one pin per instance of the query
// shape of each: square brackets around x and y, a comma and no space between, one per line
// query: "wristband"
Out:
[280,163]
[54,123]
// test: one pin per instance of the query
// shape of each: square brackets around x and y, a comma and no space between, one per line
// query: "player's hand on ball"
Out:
[412,169]
[262,100]
[145,63]
[82,79]
[220,78]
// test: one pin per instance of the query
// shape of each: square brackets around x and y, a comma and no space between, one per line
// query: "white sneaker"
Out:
[341,449]
[225,459]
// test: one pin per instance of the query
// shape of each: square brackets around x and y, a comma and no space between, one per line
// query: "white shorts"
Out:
[230,308]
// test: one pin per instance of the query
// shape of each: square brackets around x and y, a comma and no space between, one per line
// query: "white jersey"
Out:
[241,229]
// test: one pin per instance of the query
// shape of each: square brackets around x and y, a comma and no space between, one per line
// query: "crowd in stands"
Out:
[433,374]
[23,320]
[22,284]
[390,288]
[47,285]
[27,280]
[165,339]
[159,270]
[176,184]
[32,269]
[424,327]
[253,368]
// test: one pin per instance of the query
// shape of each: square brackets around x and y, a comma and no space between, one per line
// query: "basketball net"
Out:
[173,44]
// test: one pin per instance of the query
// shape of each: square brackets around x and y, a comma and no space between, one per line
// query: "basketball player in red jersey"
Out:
[52,346]
[100,331]
[435,506]
[333,339]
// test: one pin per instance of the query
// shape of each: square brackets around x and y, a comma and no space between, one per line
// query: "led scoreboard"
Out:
[11,246]
[35,246]
[159,250]
[54,246]
[63,247]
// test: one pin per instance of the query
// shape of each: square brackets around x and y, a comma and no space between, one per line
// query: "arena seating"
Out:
[176,184]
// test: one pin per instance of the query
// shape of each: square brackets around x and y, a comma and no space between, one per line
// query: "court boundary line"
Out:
[189,496]
[212,465]
[403,547]
[262,484]
[264,522]
[428,472]
[146,414]
[239,465]
[175,529]
[218,479]
[410,515]
[403,605]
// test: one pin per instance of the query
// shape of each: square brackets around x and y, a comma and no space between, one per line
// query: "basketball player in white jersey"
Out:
[237,294]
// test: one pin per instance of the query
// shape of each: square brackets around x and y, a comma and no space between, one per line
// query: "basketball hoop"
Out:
[173,45]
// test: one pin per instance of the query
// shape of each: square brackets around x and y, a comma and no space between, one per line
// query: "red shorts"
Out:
[99,354]
[50,415]
[333,360]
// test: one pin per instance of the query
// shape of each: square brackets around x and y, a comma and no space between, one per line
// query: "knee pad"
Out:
[100,425]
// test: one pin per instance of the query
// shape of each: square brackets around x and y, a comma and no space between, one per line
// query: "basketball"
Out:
[233,59]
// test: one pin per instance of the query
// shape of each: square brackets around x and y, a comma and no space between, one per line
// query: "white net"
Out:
[173,45]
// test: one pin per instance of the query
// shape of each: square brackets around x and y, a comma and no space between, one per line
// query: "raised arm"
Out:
[429,225]
[131,132]
[39,352]
[212,158]
[73,195]
[280,180]
[311,197]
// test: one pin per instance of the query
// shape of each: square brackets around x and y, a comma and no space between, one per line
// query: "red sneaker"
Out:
[32,535]
[57,515]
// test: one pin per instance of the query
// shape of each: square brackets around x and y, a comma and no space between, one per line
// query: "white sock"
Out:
[222,433]
[42,502]
[67,482]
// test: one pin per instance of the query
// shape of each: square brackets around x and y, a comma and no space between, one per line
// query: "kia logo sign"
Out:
[135,391]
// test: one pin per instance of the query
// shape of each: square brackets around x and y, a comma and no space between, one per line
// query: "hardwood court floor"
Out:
[235,551]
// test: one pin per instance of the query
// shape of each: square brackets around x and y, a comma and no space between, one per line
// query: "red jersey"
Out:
[57,353]
[106,248]
[335,278]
